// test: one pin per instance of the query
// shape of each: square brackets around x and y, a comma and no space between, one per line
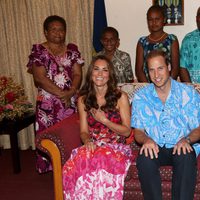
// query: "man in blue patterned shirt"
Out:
[166,122]
[190,55]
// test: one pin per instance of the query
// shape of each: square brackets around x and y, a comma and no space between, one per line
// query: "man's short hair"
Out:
[110,29]
[156,53]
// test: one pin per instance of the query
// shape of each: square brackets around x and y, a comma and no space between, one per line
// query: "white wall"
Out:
[129,17]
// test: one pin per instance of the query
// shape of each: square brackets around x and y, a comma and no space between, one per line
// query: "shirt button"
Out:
[163,135]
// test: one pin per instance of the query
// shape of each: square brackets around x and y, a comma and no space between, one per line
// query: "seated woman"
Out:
[120,59]
[157,39]
[98,168]
[57,73]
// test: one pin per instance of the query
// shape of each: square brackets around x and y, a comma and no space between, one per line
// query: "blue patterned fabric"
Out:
[190,55]
[165,46]
[167,123]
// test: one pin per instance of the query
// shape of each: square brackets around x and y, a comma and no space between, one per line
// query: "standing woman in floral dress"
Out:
[97,169]
[57,73]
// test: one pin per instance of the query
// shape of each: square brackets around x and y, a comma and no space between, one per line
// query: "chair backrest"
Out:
[132,88]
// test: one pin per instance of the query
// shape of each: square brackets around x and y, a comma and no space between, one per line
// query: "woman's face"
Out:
[100,73]
[155,21]
[56,32]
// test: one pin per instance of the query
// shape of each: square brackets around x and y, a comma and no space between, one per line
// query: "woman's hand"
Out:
[90,146]
[99,115]
[65,97]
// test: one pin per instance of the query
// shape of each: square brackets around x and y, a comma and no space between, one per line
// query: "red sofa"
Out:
[58,141]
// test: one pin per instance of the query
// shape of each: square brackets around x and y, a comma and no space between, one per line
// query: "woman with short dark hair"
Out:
[57,73]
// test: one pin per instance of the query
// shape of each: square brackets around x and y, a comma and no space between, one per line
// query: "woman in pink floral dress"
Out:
[57,73]
[98,168]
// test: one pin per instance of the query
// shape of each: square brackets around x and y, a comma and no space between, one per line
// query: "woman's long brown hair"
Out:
[88,91]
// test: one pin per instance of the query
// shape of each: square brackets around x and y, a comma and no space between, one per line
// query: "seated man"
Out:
[166,118]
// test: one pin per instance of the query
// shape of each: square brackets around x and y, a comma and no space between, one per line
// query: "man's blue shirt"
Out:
[167,123]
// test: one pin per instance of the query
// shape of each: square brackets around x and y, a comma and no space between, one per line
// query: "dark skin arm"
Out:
[41,80]
[76,82]
[184,75]
[175,59]
[139,64]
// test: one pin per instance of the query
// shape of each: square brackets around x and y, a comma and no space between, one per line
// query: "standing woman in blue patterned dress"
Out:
[157,39]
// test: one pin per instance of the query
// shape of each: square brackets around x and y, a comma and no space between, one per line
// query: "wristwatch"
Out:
[188,139]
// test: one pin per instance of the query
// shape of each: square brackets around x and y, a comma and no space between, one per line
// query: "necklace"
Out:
[57,53]
[61,68]
[156,40]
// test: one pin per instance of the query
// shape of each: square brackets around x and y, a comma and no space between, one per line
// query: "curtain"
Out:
[22,25]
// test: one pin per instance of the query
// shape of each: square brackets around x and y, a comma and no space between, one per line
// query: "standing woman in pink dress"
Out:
[57,73]
[98,168]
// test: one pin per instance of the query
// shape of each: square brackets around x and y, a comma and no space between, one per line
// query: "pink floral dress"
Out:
[99,175]
[50,109]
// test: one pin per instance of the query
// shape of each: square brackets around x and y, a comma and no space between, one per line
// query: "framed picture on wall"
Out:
[174,11]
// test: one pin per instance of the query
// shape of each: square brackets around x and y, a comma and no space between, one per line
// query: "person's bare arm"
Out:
[76,82]
[125,113]
[184,145]
[41,80]
[184,75]
[76,76]
[175,62]
[149,147]
[139,64]
[84,131]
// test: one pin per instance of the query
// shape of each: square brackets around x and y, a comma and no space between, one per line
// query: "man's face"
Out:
[198,18]
[110,42]
[159,72]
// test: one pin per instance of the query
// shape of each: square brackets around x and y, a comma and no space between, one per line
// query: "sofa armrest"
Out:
[54,152]
[65,134]
[58,141]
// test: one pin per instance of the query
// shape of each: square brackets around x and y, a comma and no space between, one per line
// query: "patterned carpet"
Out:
[28,184]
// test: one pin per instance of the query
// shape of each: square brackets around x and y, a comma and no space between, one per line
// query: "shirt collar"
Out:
[117,52]
[171,92]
